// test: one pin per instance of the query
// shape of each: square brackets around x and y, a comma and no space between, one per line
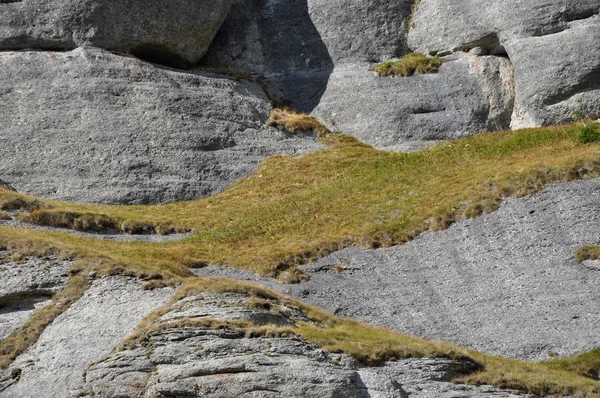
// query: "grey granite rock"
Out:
[177,34]
[90,328]
[552,44]
[91,126]
[505,283]
[25,286]
[294,44]
[469,94]
[199,361]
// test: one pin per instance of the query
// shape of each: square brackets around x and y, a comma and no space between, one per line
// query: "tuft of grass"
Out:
[94,222]
[286,119]
[369,344]
[12,201]
[588,252]
[410,64]
[588,133]
[4,216]
[414,7]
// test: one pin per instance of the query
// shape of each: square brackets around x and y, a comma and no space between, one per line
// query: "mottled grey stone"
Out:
[91,126]
[177,33]
[197,361]
[294,44]
[25,286]
[468,95]
[552,44]
[89,329]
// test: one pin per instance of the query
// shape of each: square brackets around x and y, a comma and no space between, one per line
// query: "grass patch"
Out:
[294,210]
[286,119]
[4,216]
[588,133]
[410,64]
[370,345]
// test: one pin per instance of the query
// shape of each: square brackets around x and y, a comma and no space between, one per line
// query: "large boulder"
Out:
[469,94]
[295,44]
[552,44]
[91,126]
[177,32]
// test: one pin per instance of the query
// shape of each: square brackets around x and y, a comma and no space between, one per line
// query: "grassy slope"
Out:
[296,209]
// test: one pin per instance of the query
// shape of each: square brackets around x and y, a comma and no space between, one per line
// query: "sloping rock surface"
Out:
[90,328]
[504,283]
[26,285]
[177,34]
[91,126]
[190,360]
[552,44]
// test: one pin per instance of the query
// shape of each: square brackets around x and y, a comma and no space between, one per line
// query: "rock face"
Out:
[180,358]
[90,328]
[505,283]
[544,40]
[91,126]
[177,34]
[295,44]
[468,94]
[25,286]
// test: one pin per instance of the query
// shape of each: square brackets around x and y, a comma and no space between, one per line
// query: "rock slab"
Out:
[177,34]
[91,126]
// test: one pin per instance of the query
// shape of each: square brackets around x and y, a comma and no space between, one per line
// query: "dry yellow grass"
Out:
[410,64]
[288,120]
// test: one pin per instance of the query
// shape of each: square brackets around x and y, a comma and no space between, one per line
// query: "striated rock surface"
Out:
[504,283]
[26,285]
[91,126]
[90,328]
[186,359]
[177,35]
[544,40]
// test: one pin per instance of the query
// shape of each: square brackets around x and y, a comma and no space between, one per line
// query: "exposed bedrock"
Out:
[186,359]
[89,329]
[469,94]
[177,34]
[552,44]
[295,44]
[504,283]
[91,126]
[27,284]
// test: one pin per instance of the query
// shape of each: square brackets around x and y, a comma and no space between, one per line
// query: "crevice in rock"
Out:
[159,55]
[591,82]
[490,45]
[24,301]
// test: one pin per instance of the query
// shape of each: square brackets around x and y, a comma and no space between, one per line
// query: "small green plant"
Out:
[410,64]
[588,133]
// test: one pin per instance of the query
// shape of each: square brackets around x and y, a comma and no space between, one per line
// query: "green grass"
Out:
[588,133]
[410,64]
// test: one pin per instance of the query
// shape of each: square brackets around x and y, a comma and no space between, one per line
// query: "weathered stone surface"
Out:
[90,328]
[6,186]
[179,33]
[552,44]
[470,94]
[294,44]
[92,126]
[198,361]
[505,283]
[25,286]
